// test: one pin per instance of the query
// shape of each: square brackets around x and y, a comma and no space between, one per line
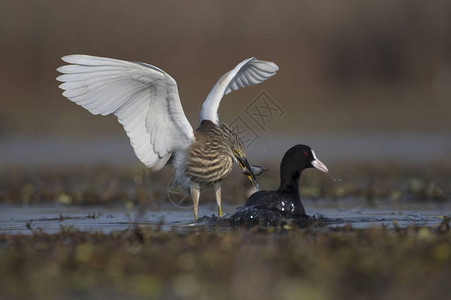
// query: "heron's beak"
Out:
[245,165]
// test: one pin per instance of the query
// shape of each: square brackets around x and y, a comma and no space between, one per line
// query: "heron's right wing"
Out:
[143,97]
[249,72]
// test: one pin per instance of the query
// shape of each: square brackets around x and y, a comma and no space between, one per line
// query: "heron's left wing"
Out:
[249,72]
[143,97]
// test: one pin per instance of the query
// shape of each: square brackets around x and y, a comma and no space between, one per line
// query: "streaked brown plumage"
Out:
[210,158]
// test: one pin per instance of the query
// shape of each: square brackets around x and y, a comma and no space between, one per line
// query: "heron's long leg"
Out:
[218,198]
[195,194]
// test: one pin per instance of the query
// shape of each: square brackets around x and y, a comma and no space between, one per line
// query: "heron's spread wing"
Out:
[249,72]
[143,97]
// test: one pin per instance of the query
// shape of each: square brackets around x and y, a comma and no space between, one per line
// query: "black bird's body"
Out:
[285,202]
[289,203]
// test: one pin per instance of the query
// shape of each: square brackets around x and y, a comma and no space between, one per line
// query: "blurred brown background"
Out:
[347,68]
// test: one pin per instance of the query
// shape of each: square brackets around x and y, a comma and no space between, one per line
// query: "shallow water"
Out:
[54,218]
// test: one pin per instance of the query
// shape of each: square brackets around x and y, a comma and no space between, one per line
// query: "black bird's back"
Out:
[286,202]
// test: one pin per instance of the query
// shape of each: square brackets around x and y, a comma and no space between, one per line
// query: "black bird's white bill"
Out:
[317,164]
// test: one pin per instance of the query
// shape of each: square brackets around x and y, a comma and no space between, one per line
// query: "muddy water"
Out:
[54,218]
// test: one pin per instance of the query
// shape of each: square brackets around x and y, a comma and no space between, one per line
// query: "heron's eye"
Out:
[236,152]
[305,154]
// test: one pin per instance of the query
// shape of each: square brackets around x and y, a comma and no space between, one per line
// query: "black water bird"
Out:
[285,202]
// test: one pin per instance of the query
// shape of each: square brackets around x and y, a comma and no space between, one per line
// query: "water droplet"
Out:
[334,178]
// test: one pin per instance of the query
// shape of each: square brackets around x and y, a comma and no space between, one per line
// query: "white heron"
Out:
[146,102]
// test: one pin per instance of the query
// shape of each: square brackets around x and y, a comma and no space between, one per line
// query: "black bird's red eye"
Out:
[305,154]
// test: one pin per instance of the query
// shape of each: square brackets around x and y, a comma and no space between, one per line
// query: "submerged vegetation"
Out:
[132,186]
[344,263]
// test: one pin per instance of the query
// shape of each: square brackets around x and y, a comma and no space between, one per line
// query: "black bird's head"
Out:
[311,159]
[301,157]
[295,160]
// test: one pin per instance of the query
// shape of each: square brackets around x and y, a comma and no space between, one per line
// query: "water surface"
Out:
[52,218]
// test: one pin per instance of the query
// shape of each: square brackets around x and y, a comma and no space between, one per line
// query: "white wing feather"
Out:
[143,97]
[249,72]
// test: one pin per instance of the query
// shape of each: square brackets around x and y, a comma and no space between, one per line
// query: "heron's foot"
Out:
[220,211]
[195,193]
